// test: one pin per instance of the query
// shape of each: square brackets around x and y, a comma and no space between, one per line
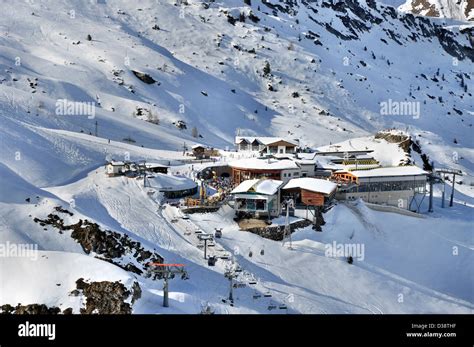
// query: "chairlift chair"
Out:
[211,261]
[271,307]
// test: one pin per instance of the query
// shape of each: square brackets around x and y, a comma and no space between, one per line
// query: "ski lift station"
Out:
[173,187]
[394,186]
[155,176]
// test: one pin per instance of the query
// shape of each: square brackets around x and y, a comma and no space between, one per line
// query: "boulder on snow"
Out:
[144,77]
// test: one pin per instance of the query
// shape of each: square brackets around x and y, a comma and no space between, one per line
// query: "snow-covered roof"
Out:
[312,184]
[198,146]
[259,186]
[307,156]
[164,182]
[264,164]
[389,171]
[153,165]
[306,161]
[264,140]
[116,163]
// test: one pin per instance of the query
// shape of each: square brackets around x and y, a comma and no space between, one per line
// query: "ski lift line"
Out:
[239,270]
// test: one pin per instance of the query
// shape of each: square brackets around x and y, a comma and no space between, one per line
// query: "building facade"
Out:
[310,191]
[257,198]
[254,168]
[116,168]
[265,145]
[394,186]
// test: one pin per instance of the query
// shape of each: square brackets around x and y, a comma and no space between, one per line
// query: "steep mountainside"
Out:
[454,9]
[332,64]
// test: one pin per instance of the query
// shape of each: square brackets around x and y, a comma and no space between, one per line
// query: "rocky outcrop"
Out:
[276,233]
[108,245]
[407,143]
[107,297]
[357,19]
[392,137]
[145,78]
[415,145]
[29,309]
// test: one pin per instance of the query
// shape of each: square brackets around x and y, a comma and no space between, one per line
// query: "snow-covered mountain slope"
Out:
[331,63]
[331,68]
[454,9]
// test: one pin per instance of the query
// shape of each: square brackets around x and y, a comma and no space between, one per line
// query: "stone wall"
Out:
[276,232]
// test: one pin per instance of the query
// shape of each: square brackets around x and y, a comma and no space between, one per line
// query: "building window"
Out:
[260,204]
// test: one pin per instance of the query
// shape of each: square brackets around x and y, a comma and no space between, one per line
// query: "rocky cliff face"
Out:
[107,297]
[111,246]
[454,9]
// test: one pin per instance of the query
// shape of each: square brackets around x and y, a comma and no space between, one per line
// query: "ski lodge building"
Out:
[156,168]
[393,186]
[310,191]
[258,198]
[116,168]
[173,187]
[272,168]
[265,145]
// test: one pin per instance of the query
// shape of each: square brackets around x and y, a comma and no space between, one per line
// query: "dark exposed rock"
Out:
[276,233]
[181,125]
[391,137]
[63,210]
[108,245]
[107,297]
[33,309]
[136,292]
[144,77]
[7,309]
[67,310]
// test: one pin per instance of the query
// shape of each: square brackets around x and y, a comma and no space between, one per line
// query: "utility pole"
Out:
[205,238]
[287,231]
[167,272]
[142,170]
[430,209]
[452,191]
[231,273]
[453,172]
[442,194]
[431,178]
[96,128]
